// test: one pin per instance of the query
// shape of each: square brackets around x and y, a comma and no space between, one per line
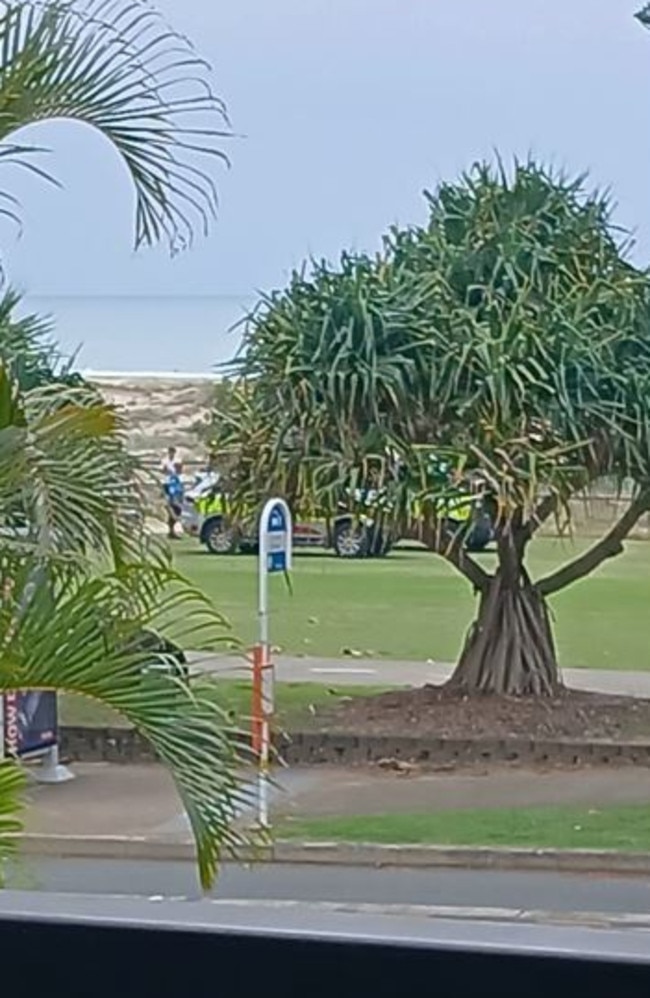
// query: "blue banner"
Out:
[30,721]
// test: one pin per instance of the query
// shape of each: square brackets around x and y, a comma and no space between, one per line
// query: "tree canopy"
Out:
[508,335]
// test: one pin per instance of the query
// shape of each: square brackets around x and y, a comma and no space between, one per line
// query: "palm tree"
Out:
[80,580]
[79,577]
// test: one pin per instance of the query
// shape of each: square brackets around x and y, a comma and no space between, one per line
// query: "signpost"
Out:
[275,548]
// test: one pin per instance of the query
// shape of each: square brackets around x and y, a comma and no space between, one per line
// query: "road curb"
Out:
[342,854]
[466,857]
[121,847]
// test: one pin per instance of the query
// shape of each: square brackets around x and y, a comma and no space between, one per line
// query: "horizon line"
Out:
[139,294]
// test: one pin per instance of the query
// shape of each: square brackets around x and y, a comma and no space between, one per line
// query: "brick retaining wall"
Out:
[123,745]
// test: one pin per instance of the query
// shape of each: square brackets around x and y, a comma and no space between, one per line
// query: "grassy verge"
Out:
[620,828]
[294,702]
[413,606]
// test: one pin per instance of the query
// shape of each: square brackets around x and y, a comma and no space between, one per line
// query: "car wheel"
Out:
[220,538]
[351,540]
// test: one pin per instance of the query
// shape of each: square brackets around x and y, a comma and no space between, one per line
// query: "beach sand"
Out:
[160,412]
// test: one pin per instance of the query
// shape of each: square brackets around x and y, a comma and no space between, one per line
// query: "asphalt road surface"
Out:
[454,888]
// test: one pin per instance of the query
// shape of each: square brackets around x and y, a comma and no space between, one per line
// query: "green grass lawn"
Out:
[293,702]
[621,828]
[411,605]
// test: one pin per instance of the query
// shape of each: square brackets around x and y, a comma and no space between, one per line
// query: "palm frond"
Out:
[643,15]
[63,460]
[81,583]
[91,646]
[28,349]
[12,782]
[116,66]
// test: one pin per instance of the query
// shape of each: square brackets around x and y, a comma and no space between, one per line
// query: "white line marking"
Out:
[359,672]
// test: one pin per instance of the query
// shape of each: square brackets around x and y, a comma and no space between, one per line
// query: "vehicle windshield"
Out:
[325,478]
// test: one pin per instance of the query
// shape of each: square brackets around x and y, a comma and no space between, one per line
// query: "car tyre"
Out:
[351,539]
[220,538]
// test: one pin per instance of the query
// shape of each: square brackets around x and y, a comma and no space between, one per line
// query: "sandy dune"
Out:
[160,411]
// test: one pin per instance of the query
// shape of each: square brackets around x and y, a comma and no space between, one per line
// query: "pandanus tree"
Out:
[508,336]
[81,581]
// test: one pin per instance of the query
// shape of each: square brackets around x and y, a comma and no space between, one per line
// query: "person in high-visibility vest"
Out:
[211,505]
[459,509]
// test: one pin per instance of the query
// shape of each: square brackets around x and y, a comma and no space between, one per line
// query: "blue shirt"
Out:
[173,488]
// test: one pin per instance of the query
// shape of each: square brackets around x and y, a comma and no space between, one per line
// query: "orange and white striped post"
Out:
[256,713]
[275,543]
[263,708]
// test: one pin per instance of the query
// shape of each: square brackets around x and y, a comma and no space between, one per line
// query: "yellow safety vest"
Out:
[458,508]
[209,505]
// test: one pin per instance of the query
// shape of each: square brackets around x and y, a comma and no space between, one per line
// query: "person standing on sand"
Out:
[174,493]
[169,462]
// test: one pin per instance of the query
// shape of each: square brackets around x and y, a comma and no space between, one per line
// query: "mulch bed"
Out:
[440,712]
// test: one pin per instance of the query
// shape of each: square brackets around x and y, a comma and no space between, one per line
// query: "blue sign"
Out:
[276,561]
[276,539]
[277,521]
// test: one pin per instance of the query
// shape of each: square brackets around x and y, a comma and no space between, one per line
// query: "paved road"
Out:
[456,888]
[395,673]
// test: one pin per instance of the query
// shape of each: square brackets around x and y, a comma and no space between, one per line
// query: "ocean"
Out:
[189,335]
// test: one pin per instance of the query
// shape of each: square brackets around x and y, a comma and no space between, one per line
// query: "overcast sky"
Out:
[349,109]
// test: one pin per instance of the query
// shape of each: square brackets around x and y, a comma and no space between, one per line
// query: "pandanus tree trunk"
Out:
[509,649]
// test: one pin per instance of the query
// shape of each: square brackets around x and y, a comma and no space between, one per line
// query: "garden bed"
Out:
[441,712]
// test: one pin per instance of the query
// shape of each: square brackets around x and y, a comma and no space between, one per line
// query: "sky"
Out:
[345,110]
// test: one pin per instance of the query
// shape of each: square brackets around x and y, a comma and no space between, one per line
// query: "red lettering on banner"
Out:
[12,734]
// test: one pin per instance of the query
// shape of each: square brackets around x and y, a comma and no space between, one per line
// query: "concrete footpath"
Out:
[107,799]
[383,672]
[112,811]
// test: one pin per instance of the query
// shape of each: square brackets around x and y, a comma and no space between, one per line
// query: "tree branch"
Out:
[450,547]
[545,508]
[609,546]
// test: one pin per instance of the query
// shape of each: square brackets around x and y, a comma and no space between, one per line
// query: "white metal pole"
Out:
[263,597]
[263,623]
[266,667]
